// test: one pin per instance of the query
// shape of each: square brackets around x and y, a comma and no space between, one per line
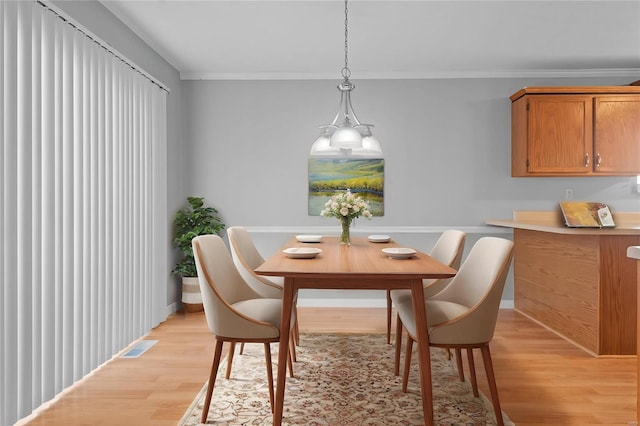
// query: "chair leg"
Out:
[407,364]
[491,378]
[396,365]
[459,363]
[292,348]
[472,372]
[232,350]
[296,329]
[241,348]
[212,380]
[290,357]
[448,354]
[389,308]
[267,358]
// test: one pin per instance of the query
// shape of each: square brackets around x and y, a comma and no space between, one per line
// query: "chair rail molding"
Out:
[334,230]
[270,238]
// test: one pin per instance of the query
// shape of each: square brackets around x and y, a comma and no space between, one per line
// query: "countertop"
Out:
[549,221]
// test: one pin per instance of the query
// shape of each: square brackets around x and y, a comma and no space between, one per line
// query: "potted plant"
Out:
[194,220]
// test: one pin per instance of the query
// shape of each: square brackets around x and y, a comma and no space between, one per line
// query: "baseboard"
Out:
[557,333]
[172,308]
[506,304]
[342,303]
[362,303]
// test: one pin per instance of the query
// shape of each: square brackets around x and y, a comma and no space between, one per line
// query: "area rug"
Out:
[341,379]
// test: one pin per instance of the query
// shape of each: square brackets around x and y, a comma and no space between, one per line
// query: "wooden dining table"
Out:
[359,266]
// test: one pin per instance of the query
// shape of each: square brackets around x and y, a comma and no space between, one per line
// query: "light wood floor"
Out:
[541,378]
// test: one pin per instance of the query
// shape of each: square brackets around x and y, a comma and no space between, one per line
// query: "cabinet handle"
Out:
[586,160]
[598,159]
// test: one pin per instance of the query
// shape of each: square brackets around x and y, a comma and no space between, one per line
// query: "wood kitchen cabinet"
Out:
[575,131]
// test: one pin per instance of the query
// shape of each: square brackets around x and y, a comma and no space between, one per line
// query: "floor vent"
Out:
[141,347]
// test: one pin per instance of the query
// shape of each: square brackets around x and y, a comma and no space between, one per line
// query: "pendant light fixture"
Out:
[346,136]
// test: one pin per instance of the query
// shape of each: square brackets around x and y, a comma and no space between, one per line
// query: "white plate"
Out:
[399,252]
[301,252]
[379,238]
[309,238]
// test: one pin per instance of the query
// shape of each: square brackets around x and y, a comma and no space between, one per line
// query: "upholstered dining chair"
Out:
[234,311]
[247,258]
[464,314]
[448,249]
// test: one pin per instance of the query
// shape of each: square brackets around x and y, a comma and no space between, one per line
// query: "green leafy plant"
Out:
[190,222]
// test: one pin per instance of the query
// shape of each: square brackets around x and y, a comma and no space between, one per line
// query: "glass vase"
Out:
[345,235]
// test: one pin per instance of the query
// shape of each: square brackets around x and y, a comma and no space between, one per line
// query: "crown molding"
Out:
[471,74]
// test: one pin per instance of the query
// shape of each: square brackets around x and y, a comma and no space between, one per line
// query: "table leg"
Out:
[288,295]
[420,315]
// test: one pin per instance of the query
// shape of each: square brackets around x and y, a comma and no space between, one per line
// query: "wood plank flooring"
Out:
[542,379]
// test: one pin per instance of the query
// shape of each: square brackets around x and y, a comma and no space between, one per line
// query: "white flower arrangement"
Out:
[346,206]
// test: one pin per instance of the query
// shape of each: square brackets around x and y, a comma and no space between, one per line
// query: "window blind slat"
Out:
[48,242]
[9,158]
[22,242]
[37,196]
[3,296]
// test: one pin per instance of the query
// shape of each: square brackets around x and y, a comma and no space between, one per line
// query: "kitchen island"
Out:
[578,282]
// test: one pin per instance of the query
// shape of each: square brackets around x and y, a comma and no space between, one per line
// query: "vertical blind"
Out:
[83,217]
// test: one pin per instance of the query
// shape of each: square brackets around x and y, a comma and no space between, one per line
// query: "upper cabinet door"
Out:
[617,135]
[559,134]
[575,131]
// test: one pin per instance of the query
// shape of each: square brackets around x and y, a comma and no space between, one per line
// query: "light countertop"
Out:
[548,221]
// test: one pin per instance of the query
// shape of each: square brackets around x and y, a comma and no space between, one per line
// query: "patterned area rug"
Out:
[340,380]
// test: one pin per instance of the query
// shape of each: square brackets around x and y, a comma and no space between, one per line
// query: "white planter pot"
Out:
[191,296]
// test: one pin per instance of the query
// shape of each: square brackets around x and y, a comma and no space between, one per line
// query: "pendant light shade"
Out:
[346,136]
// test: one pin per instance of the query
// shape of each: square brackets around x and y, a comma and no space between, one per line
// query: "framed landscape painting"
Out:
[330,176]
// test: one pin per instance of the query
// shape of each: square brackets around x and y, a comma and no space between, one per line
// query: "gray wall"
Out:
[243,145]
[447,149]
[446,145]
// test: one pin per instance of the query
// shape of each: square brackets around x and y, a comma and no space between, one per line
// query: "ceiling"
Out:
[301,39]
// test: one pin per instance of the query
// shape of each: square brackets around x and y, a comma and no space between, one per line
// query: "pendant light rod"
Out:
[346,72]
[346,135]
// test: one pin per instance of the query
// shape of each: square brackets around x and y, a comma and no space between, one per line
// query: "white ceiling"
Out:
[291,39]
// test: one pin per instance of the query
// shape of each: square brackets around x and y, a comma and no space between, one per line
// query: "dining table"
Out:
[361,265]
